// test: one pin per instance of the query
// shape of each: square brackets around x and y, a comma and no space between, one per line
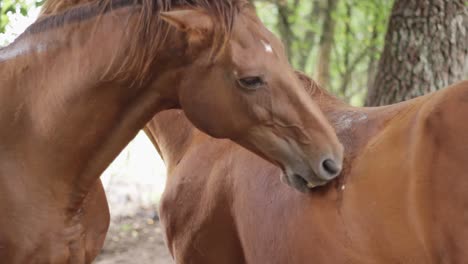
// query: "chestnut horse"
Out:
[79,84]
[401,198]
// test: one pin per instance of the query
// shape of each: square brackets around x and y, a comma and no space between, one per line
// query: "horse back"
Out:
[442,156]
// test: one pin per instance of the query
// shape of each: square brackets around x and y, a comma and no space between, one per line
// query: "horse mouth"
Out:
[309,184]
[299,183]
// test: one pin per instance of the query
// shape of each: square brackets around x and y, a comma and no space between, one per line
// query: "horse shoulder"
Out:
[195,206]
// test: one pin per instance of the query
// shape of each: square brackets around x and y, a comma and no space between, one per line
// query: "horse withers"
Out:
[83,79]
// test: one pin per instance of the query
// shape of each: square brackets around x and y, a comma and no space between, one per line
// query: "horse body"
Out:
[44,185]
[401,197]
[79,85]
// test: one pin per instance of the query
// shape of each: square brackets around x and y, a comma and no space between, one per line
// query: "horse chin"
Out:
[299,183]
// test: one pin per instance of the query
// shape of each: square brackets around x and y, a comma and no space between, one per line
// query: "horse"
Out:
[88,75]
[401,196]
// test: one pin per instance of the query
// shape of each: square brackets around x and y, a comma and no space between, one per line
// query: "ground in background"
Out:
[135,239]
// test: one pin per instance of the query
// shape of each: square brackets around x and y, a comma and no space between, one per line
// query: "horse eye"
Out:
[251,83]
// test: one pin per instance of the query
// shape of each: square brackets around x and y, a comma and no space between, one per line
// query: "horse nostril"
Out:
[331,167]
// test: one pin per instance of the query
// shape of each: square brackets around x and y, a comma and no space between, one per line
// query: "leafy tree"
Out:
[13,9]
[8,7]
[338,42]
[327,40]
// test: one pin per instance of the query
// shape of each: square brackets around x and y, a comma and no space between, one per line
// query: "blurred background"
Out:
[367,52]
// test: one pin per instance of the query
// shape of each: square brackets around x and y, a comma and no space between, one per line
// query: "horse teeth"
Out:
[310,185]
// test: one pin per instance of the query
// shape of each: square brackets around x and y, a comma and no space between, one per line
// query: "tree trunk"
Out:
[372,66]
[285,26]
[322,72]
[309,37]
[426,48]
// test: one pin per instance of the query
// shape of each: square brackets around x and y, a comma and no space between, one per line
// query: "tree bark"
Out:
[426,48]
[322,72]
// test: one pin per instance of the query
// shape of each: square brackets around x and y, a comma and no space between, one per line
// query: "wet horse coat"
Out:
[77,86]
[401,198]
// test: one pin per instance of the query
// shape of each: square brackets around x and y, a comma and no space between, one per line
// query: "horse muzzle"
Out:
[304,179]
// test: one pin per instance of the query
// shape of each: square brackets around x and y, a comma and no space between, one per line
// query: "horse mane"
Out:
[311,86]
[317,92]
[52,7]
[150,29]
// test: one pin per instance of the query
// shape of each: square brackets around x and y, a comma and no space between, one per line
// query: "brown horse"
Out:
[401,198]
[78,85]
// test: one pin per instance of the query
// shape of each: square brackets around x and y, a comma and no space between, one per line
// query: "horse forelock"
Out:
[150,29]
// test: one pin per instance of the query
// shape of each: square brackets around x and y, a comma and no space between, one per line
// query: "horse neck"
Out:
[355,126]
[66,118]
[171,134]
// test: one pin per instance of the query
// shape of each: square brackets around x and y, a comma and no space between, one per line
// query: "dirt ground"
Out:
[135,239]
[134,184]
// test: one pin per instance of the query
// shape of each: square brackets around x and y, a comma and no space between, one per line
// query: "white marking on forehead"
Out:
[21,48]
[268,47]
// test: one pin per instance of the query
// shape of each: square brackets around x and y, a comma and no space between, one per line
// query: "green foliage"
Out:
[39,3]
[360,28]
[359,38]
[9,7]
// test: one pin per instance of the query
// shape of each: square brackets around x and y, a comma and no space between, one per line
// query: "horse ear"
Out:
[189,20]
